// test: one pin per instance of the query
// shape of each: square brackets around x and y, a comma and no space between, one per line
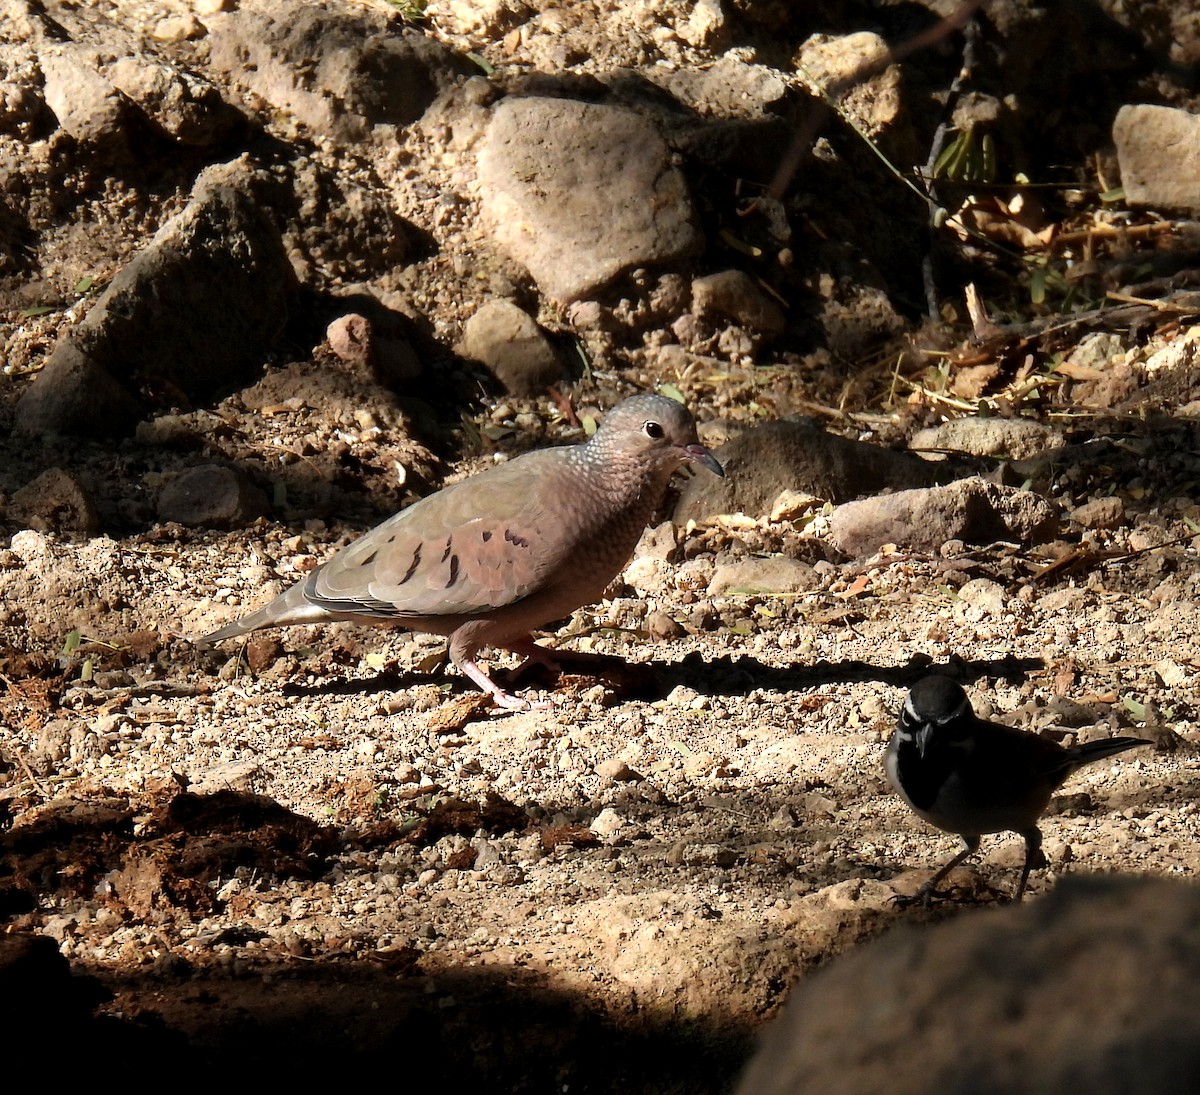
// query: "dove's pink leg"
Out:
[499,696]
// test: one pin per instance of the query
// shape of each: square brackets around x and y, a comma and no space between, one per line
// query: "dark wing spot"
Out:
[513,538]
[446,553]
[453,571]
[412,567]
[368,560]
[487,535]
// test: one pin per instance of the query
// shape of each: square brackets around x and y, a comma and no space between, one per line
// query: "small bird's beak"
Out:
[701,455]
[922,738]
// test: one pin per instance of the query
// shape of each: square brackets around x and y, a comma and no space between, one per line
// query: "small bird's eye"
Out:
[654,431]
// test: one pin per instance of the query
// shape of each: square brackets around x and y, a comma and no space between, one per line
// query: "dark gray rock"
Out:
[73,394]
[735,295]
[55,501]
[1094,988]
[211,496]
[194,312]
[513,348]
[797,455]
[36,978]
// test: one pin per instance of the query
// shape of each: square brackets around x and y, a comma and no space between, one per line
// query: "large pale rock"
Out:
[183,105]
[836,65]
[484,19]
[580,192]
[86,104]
[1015,438]
[193,312]
[1093,988]
[1158,148]
[852,69]
[922,520]
[729,88]
[772,574]
[99,89]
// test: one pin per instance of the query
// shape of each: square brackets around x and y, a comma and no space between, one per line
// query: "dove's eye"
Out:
[654,431]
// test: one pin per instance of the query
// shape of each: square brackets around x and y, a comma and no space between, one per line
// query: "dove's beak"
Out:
[700,455]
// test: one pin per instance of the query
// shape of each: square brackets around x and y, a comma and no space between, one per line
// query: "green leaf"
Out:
[40,310]
[1136,709]
[84,284]
[74,638]
[671,392]
[1037,285]
[411,11]
[1116,194]
[482,63]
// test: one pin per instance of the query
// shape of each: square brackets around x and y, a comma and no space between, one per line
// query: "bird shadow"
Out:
[724,675]
[739,674]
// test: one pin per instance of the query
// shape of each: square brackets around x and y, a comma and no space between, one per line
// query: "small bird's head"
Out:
[655,431]
[936,707]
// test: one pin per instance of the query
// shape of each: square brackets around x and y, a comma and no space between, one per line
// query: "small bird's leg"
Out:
[1034,857]
[929,890]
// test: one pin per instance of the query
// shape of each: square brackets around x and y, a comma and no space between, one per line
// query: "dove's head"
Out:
[654,432]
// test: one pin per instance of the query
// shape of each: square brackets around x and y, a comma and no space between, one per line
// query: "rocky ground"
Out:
[273,270]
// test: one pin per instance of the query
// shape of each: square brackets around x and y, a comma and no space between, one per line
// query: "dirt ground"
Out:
[322,845]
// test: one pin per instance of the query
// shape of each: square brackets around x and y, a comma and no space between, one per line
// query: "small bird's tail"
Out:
[1089,752]
[290,607]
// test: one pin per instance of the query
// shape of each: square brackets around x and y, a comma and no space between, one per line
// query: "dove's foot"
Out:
[499,697]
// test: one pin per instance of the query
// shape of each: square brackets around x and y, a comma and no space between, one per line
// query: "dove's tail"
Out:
[290,607]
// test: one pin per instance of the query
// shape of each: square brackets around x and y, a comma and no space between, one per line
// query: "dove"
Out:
[967,776]
[488,560]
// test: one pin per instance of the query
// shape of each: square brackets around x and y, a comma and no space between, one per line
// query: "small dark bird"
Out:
[970,777]
[489,559]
